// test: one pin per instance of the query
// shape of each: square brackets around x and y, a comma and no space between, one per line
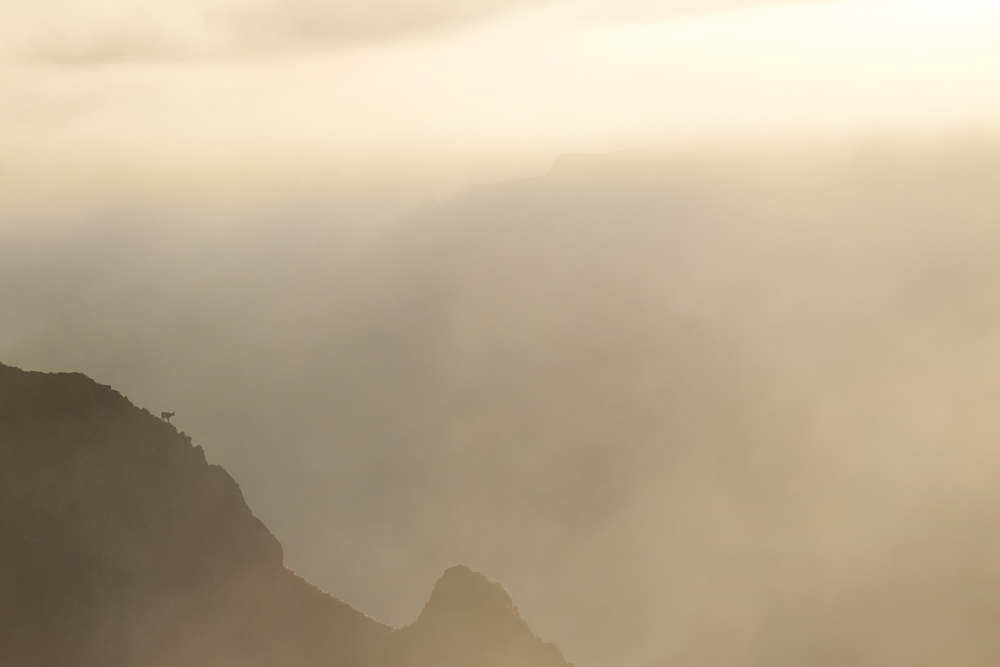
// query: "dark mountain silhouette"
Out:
[469,620]
[121,545]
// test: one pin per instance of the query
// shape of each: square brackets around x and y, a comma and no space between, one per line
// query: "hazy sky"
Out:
[449,91]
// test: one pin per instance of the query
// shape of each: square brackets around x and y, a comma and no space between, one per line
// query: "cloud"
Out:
[271,23]
[63,31]
[68,32]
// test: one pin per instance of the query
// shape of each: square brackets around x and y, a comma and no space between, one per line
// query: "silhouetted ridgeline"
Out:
[120,545]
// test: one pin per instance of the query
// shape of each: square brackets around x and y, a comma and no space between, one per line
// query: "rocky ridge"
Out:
[120,545]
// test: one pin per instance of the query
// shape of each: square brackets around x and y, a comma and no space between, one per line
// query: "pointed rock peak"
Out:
[471,621]
[461,589]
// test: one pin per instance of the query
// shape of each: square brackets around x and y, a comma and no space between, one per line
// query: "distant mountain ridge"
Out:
[120,545]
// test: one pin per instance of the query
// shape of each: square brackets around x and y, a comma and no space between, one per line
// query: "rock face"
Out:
[121,546]
[470,620]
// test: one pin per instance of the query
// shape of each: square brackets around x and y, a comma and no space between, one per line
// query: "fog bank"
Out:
[692,406]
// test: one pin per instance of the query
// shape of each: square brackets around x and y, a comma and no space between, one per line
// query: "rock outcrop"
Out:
[121,546]
[470,620]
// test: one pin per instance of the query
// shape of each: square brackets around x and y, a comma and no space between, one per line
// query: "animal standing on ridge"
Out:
[165,416]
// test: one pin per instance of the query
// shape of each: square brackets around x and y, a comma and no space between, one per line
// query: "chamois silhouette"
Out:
[165,416]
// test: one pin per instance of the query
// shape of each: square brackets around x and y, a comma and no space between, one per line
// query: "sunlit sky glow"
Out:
[520,85]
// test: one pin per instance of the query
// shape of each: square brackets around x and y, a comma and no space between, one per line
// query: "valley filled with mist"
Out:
[692,405]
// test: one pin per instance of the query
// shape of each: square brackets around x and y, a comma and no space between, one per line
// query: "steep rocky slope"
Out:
[121,545]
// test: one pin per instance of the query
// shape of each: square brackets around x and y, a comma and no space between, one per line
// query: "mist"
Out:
[678,318]
[692,405]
